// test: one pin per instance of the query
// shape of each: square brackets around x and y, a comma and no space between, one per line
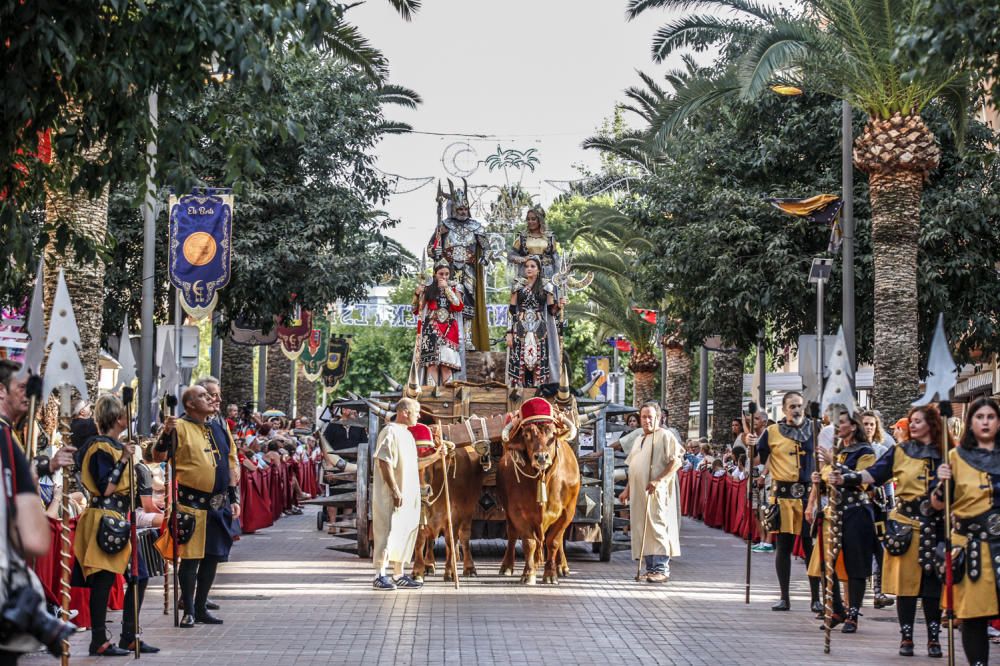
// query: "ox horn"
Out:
[563,396]
[393,384]
[587,419]
[585,389]
[591,409]
[571,429]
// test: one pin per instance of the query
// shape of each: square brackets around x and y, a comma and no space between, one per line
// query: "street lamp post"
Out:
[819,273]
[847,227]
[703,393]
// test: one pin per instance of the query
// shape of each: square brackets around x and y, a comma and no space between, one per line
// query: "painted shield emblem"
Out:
[335,367]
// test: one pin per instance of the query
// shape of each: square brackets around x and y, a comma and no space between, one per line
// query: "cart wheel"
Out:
[321,519]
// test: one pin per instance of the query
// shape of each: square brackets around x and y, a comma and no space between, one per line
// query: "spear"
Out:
[64,372]
[33,356]
[748,428]
[125,378]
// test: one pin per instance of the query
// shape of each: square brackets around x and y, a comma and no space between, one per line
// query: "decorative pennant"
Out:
[292,337]
[170,376]
[35,352]
[335,368]
[200,247]
[126,359]
[64,367]
[942,373]
[838,389]
[314,356]
[821,209]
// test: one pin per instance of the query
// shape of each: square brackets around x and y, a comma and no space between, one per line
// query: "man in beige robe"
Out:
[396,499]
[654,458]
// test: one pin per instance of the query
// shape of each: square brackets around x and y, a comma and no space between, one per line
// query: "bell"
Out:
[542,492]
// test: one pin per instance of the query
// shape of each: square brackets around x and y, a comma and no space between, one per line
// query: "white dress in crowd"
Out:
[663,525]
[395,530]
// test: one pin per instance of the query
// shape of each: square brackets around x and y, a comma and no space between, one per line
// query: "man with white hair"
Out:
[396,499]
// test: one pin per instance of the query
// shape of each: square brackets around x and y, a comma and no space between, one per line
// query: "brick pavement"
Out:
[286,599]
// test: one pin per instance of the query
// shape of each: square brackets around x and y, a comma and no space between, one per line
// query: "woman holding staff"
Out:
[533,339]
[974,469]
[914,528]
[102,544]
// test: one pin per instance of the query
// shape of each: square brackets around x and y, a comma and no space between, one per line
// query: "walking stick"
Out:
[747,426]
[645,522]
[127,394]
[450,536]
[944,407]
[827,607]
[171,401]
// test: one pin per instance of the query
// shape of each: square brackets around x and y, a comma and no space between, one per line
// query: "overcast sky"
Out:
[533,73]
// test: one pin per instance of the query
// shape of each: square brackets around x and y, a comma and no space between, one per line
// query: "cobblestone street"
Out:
[287,599]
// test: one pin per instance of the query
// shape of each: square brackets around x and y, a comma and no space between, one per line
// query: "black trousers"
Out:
[906,612]
[196,578]
[783,561]
[976,641]
[100,589]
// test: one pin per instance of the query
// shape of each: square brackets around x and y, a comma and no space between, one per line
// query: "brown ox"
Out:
[465,485]
[538,453]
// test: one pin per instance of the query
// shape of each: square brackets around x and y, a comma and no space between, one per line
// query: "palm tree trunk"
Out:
[237,373]
[644,386]
[277,393]
[727,394]
[895,201]
[677,392]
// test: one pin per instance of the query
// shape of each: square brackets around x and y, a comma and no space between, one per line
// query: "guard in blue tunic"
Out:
[208,498]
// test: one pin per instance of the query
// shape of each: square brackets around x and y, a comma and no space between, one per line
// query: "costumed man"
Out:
[208,475]
[396,499]
[786,451]
[654,458]
[102,544]
[461,241]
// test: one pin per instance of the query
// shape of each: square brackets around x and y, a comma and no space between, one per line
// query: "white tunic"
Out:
[663,523]
[395,530]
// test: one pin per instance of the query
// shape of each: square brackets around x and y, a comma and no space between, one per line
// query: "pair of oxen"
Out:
[537,482]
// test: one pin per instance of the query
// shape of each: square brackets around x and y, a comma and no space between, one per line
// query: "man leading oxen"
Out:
[538,480]
[654,458]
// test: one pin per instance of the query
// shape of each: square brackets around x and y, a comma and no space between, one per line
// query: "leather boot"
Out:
[906,644]
[933,640]
[851,621]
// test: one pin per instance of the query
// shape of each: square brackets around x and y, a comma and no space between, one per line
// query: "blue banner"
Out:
[200,247]
[592,364]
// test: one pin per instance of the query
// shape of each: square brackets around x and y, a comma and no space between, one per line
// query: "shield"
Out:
[314,355]
[292,336]
[335,367]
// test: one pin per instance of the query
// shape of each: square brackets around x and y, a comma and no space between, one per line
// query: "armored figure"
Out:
[461,241]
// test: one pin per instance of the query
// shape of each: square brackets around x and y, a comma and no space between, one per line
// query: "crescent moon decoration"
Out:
[199,291]
[460,159]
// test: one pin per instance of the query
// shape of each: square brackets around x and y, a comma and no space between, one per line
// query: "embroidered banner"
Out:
[313,358]
[293,335]
[200,247]
[335,368]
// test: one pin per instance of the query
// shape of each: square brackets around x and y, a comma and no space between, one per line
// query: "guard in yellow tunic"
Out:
[208,475]
[786,449]
[102,545]
[974,468]
[914,528]
[855,517]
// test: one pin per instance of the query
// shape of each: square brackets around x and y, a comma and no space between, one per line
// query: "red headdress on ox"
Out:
[539,410]
[424,439]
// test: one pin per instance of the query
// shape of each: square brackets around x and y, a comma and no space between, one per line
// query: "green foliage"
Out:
[306,230]
[85,71]
[375,350]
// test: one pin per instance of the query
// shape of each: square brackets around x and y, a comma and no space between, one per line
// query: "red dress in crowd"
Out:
[438,328]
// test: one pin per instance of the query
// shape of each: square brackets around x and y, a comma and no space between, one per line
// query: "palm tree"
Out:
[846,49]
[614,245]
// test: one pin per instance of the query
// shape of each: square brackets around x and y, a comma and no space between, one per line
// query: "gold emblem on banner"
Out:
[199,248]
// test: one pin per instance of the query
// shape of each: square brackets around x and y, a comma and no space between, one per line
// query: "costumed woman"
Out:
[102,544]
[914,528]
[438,309]
[974,468]
[533,339]
[535,241]
[857,526]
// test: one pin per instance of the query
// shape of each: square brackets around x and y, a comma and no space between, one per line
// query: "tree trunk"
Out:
[677,392]
[237,373]
[727,394]
[895,201]
[644,387]
[85,281]
[305,395]
[277,393]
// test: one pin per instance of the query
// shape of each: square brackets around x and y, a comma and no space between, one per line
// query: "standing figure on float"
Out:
[461,241]
[536,241]
[533,347]
[438,307]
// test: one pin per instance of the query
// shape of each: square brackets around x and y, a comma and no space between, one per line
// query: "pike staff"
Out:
[944,408]
[171,402]
[450,536]
[814,412]
[127,395]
